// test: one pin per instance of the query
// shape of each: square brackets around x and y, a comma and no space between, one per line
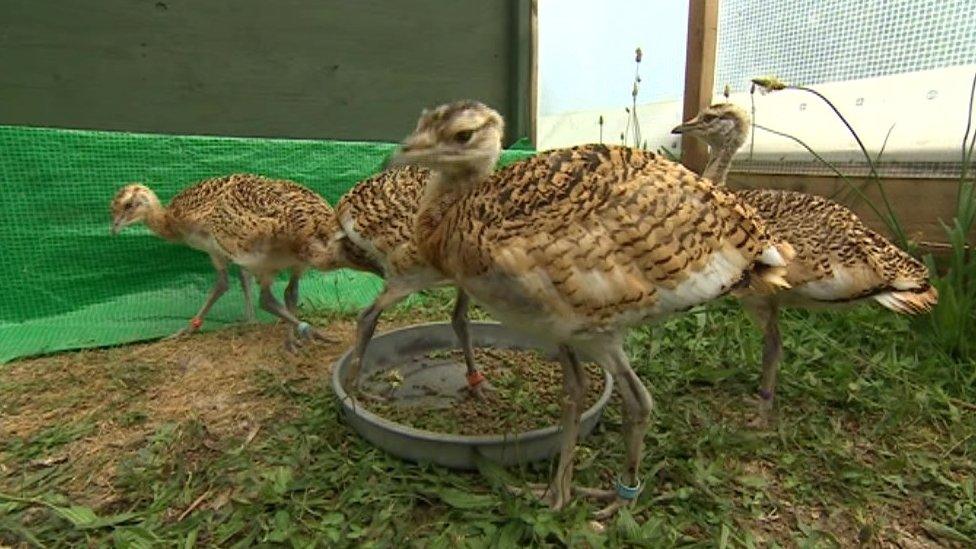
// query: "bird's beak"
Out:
[116,227]
[685,127]
[397,159]
[415,150]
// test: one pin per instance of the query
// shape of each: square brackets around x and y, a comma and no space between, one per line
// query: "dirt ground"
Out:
[122,395]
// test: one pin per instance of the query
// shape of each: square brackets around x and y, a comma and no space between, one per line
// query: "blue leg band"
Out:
[628,492]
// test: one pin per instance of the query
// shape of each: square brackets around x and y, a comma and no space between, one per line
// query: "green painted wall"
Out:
[354,69]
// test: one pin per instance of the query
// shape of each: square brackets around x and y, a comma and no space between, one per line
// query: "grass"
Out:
[222,440]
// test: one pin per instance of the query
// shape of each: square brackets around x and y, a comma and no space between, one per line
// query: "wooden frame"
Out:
[919,218]
[521,120]
[534,72]
[699,73]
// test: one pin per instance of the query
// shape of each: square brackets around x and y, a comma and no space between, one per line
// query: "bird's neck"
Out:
[326,250]
[443,191]
[159,221]
[720,159]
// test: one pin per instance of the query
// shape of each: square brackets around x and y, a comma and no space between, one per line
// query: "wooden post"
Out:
[699,74]
[534,75]
[520,120]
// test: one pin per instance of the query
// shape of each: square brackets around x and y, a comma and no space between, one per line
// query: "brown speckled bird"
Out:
[838,260]
[574,246]
[263,225]
[377,220]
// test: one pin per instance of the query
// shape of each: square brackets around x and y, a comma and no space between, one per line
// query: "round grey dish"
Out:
[388,350]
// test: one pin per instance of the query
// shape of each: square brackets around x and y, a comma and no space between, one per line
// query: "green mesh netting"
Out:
[65,283]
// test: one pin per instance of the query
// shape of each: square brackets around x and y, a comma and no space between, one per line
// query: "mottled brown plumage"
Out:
[838,259]
[377,220]
[263,225]
[268,225]
[575,245]
[601,237]
[378,216]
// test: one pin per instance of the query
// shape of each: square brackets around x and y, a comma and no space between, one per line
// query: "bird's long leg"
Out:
[273,306]
[219,288]
[291,294]
[637,405]
[459,321]
[767,316]
[291,291]
[574,389]
[366,326]
[245,278]
[560,489]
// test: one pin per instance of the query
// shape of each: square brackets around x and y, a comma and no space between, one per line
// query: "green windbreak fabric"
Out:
[66,283]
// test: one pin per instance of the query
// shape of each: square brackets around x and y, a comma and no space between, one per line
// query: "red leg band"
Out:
[475,378]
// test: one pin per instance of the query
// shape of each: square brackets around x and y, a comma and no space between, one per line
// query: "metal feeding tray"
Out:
[433,382]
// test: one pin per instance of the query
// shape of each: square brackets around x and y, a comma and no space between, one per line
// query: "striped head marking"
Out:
[464,136]
[131,205]
[717,124]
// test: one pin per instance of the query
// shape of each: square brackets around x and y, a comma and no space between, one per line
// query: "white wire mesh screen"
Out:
[901,64]
[808,43]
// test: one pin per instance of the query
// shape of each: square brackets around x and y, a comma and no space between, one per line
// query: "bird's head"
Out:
[131,205]
[457,138]
[717,125]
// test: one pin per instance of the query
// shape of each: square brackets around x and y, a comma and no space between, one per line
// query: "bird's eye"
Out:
[708,117]
[463,137]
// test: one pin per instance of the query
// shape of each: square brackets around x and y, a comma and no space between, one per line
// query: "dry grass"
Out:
[124,394]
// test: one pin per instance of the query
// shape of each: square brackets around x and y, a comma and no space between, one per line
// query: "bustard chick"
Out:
[574,246]
[377,220]
[263,225]
[184,220]
[838,259]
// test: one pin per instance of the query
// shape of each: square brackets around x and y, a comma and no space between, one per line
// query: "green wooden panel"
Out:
[319,69]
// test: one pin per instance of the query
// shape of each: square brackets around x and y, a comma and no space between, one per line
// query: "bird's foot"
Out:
[557,499]
[357,393]
[547,494]
[292,345]
[371,397]
[764,417]
[191,328]
[621,496]
[309,333]
[304,332]
[353,372]
[294,342]
[477,386]
[611,509]
[597,494]
[353,386]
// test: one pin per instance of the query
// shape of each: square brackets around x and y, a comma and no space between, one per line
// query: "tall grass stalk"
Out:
[888,215]
[632,129]
[953,322]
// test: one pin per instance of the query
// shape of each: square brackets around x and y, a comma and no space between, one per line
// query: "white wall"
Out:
[925,110]
[586,69]
[905,64]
